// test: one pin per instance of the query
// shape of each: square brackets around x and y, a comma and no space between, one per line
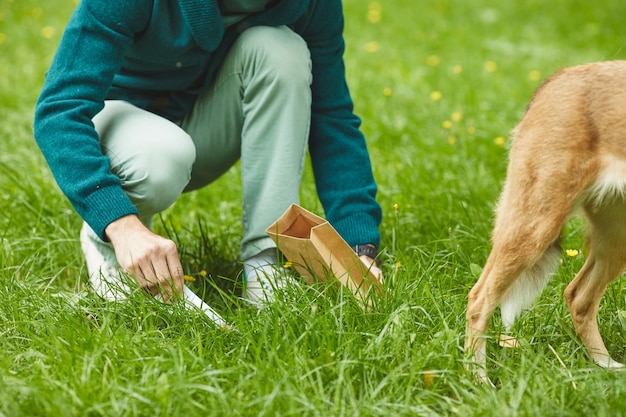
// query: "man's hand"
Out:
[372,266]
[151,259]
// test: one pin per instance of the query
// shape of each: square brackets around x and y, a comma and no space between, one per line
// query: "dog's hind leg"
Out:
[511,281]
[606,260]
[539,195]
[525,252]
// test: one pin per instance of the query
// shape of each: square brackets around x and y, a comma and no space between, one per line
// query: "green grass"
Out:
[64,352]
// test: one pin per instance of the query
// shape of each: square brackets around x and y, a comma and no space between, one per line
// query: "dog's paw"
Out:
[608,363]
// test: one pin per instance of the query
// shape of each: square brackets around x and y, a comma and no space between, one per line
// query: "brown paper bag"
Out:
[316,251]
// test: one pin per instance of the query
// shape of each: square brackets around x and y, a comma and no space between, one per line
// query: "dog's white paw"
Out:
[608,363]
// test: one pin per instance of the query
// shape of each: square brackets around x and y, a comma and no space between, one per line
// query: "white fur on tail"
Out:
[528,286]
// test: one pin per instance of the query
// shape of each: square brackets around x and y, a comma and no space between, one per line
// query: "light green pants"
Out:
[258,110]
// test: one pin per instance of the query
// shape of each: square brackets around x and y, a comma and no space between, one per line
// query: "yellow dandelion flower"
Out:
[429,378]
[457,69]
[288,265]
[189,278]
[48,32]
[432,60]
[471,130]
[396,207]
[447,124]
[456,116]
[3,37]
[372,47]
[374,15]
[451,140]
[398,265]
[499,140]
[491,66]
[387,91]
[571,252]
[534,75]
[435,95]
[203,273]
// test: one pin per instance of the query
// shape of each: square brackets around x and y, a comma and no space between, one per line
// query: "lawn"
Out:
[439,84]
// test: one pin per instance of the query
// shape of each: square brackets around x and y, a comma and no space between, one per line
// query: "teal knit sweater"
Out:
[160,55]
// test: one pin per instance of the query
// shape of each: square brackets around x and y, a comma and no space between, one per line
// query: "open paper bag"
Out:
[316,251]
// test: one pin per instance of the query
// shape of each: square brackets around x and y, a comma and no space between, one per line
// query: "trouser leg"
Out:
[151,155]
[257,109]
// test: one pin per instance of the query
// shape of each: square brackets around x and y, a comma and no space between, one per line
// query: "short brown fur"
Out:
[568,151]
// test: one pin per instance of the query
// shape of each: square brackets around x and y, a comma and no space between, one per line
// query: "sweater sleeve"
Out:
[90,52]
[339,155]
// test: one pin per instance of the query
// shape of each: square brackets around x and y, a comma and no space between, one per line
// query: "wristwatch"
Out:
[367,250]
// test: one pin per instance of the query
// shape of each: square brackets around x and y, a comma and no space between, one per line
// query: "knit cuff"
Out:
[104,206]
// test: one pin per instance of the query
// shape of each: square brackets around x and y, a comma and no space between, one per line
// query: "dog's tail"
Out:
[528,286]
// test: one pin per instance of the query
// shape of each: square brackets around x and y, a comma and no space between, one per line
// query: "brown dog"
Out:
[568,151]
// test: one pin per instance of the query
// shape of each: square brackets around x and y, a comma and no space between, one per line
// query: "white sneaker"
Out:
[102,266]
[262,277]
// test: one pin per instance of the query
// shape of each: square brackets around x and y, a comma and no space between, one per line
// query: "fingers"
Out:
[155,278]
[176,273]
[372,266]
[161,272]
[157,269]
